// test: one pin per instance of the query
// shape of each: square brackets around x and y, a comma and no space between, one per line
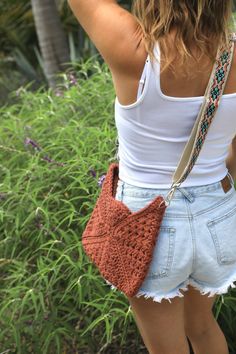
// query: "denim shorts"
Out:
[196,244]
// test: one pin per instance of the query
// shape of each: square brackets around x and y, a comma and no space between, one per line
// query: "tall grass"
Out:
[54,150]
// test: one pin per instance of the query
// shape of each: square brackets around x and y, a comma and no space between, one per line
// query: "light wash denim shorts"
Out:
[196,244]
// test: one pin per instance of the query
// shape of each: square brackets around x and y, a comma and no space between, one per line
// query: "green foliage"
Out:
[16,26]
[53,300]
[20,57]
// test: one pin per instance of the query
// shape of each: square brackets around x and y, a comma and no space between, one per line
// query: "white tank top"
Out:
[153,131]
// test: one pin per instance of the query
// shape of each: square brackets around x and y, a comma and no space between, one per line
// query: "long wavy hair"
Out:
[199,24]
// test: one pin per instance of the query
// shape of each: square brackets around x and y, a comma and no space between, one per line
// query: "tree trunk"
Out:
[52,38]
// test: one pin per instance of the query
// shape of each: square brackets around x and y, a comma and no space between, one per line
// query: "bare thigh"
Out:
[161,325]
[198,315]
[164,326]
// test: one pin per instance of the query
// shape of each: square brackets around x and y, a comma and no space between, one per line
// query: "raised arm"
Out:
[114,31]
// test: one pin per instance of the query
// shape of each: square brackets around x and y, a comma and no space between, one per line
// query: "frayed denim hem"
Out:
[111,285]
[154,296]
[159,298]
[204,290]
[222,289]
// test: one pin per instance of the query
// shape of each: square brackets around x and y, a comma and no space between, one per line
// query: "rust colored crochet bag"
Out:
[120,242]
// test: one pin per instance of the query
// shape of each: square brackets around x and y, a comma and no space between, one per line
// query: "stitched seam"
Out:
[224,200]
[190,218]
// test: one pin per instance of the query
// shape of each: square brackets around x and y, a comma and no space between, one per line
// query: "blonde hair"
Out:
[206,24]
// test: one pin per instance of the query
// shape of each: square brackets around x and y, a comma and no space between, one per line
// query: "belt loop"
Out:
[187,195]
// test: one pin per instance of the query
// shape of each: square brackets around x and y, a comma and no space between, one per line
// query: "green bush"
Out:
[54,148]
[52,145]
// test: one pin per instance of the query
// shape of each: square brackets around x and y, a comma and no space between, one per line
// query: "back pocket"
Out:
[163,253]
[223,233]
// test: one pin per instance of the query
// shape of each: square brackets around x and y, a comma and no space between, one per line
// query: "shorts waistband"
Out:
[190,193]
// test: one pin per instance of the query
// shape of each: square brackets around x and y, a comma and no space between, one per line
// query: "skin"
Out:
[119,39]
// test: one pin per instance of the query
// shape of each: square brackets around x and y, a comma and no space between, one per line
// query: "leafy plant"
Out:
[54,149]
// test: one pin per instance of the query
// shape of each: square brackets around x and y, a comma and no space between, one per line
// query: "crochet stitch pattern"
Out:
[120,242]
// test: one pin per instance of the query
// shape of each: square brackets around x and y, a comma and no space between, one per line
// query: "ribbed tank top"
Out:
[153,131]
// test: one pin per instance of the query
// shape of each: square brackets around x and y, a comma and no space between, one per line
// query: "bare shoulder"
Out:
[234,41]
[231,82]
[233,38]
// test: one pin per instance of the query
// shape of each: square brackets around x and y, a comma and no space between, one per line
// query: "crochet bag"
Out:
[120,242]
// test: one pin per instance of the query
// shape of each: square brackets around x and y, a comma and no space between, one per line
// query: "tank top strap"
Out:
[143,78]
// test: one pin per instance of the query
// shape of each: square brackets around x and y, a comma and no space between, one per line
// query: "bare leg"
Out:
[161,325]
[202,329]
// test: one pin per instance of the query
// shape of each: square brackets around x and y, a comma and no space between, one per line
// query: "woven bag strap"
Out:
[205,117]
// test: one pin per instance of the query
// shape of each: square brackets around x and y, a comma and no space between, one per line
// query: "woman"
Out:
[171,46]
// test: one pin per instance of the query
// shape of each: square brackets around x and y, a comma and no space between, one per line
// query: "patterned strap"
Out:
[208,110]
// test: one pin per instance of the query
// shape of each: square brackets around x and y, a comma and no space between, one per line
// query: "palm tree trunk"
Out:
[52,38]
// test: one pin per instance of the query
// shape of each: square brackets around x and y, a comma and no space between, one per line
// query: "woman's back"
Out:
[195,250]
[154,129]
[177,86]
